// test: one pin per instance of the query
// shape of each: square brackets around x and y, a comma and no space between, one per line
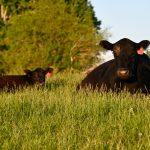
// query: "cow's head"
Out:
[38,75]
[126,53]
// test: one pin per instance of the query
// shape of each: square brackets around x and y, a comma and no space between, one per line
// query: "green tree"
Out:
[12,7]
[50,33]
[83,8]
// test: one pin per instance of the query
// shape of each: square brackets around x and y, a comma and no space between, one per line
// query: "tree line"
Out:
[40,33]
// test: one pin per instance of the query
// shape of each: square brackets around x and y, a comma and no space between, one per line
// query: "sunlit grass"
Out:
[58,117]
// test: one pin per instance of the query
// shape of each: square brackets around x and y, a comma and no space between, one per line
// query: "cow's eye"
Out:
[35,75]
[115,54]
[117,50]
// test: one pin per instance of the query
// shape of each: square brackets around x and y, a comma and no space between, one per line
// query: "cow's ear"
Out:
[106,45]
[143,44]
[49,70]
[27,71]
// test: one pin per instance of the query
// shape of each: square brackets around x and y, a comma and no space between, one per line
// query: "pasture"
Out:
[57,118]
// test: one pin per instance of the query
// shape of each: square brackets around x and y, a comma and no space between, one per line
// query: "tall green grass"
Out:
[56,117]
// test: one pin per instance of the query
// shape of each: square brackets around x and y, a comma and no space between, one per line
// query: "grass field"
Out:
[56,117]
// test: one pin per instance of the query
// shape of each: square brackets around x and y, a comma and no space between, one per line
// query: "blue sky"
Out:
[124,18]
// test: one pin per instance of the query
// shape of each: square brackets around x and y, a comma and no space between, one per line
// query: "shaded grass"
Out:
[57,117]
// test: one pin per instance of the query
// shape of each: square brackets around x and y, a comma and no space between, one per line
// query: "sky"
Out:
[124,18]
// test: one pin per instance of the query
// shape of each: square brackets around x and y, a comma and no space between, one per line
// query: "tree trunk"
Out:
[3,13]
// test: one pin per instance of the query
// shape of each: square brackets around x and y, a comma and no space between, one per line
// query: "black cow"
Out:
[11,82]
[129,69]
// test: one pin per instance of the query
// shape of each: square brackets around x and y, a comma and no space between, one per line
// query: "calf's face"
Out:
[125,53]
[38,75]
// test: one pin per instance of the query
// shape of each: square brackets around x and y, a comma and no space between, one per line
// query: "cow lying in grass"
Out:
[12,82]
[130,68]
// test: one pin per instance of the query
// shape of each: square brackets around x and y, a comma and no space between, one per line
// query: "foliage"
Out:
[148,53]
[83,8]
[58,118]
[9,8]
[50,33]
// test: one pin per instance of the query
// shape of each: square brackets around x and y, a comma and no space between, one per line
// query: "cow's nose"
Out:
[123,73]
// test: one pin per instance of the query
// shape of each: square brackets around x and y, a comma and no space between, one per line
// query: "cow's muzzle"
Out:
[123,73]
